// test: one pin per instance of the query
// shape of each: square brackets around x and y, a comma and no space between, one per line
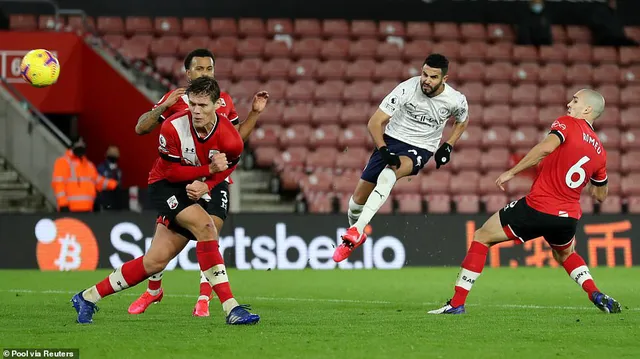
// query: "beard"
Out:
[430,90]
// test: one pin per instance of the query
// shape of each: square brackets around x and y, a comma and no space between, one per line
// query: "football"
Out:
[40,68]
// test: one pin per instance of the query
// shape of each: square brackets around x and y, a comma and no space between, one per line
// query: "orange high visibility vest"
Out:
[75,183]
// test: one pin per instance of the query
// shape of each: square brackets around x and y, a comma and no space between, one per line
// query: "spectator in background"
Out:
[606,27]
[75,180]
[111,199]
[535,27]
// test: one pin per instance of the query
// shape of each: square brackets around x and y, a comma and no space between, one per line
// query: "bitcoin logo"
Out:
[66,244]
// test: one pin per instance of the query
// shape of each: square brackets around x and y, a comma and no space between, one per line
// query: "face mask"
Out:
[112,159]
[537,8]
[79,151]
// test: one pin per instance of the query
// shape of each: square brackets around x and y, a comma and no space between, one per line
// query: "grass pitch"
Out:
[521,313]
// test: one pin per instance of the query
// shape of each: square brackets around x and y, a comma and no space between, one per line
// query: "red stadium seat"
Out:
[325,135]
[304,28]
[559,34]
[361,29]
[329,91]
[499,72]
[302,90]
[247,69]
[466,159]
[335,28]
[307,47]
[226,46]
[251,47]
[447,47]
[465,182]
[137,25]
[391,28]
[251,27]
[630,75]
[416,50]
[326,113]
[265,136]
[291,158]
[496,115]
[222,27]
[611,95]
[579,53]
[474,51]
[435,182]
[446,31]
[299,113]
[471,71]
[27,22]
[553,95]
[273,113]
[557,53]
[304,69]
[77,22]
[526,72]
[611,204]
[388,70]
[474,91]
[388,51]
[630,95]
[275,69]
[353,158]
[610,137]
[524,138]
[580,73]
[500,52]
[194,26]
[265,157]
[419,30]
[473,32]
[519,184]
[471,138]
[496,158]
[523,53]
[345,184]
[276,48]
[358,91]
[500,33]
[363,48]
[467,204]
[630,162]
[135,48]
[360,69]
[633,203]
[525,94]
[605,54]
[165,64]
[586,204]
[438,203]
[606,74]
[630,185]
[497,93]
[48,22]
[321,158]
[295,135]
[356,113]
[279,27]
[409,203]
[277,89]
[609,118]
[195,42]
[331,70]
[629,139]
[165,46]
[525,115]
[630,117]
[109,25]
[335,49]
[578,34]
[321,203]
[629,55]
[353,136]
[115,41]
[496,136]
[553,73]
[494,202]
[487,183]
[408,185]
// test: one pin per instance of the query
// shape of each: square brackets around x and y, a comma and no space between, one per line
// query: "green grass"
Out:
[521,313]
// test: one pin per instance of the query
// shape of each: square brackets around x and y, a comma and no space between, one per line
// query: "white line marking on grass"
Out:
[321,300]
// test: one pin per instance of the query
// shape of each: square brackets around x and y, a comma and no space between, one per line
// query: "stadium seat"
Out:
[196,42]
[115,41]
[48,22]
[299,113]
[273,113]
[580,73]
[277,88]
[320,203]
[363,48]
[465,182]
[473,32]
[553,73]
[77,23]
[499,72]
[304,69]
[553,94]
[628,55]
[409,203]
[611,94]
[324,136]
[496,136]
[362,69]
[418,30]
[305,28]
[302,90]
[525,94]
[606,74]
[556,53]
[630,185]
[331,70]
[611,204]
[559,34]
[391,28]
[449,47]
[289,179]
[494,202]
[524,53]
[330,90]
[579,53]
[355,113]
[291,158]
[630,95]
[435,182]
[337,48]
[578,34]
[466,159]
[496,158]
[265,156]
[353,136]
[137,25]
[630,117]
[135,48]
[471,71]
[317,181]
[523,138]
[408,185]
[307,47]
[248,27]
[388,51]
[497,93]
[276,48]
[586,204]
[358,91]
[194,26]
[630,75]
[296,135]
[473,51]
[474,91]
[353,158]
[165,46]
[361,29]
[496,115]
[247,69]
[615,182]
[629,162]
[633,204]
[251,47]
[519,184]
[610,137]
[226,46]
[526,72]
[487,183]
[438,203]
[630,139]
[223,27]
[609,118]
[326,113]
[265,136]
[605,54]
[23,22]
[524,115]
[345,183]
[279,27]
[277,69]
[446,31]
[165,64]
[500,52]
[108,25]
[471,137]
[500,33]
[335,28]
[388,70]
[467,203]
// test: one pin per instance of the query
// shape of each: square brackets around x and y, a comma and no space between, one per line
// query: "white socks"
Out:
[386,181]
[154,278]
[354,211]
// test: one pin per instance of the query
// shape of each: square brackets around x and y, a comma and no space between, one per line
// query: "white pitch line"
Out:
[318,300]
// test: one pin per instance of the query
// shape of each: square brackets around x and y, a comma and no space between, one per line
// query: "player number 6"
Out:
[577,168]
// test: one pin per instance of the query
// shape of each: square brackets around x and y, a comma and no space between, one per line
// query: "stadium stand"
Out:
[326,78]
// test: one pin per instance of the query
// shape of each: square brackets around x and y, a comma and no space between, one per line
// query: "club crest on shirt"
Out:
[222,102]
[212,153]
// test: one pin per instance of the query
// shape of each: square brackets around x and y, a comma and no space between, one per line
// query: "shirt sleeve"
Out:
[233,114]
[217,178]
[461,111]
[560,128]
[392,102]
[600,177]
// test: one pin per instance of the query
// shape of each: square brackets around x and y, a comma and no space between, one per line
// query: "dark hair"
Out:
[197,53]
[438,61]
[205,85]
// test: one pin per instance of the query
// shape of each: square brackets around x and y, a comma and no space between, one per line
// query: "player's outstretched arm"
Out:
[259,103]
[535,155]
[458,130]
[376,127]
[149,120]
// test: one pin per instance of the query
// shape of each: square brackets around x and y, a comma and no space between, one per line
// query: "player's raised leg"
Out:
[489,234]
[577,269]
[131,273]
[195,219]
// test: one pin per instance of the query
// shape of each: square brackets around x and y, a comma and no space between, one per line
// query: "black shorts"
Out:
[218,205]
[519,221]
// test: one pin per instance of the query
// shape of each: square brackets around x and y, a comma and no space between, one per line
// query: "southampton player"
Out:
[198,150]
[415,114]
[571,156]
[199,62]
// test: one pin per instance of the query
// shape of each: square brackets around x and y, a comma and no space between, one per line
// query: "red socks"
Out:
[579,272]
[212,264]
[129,275]
[472,266]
